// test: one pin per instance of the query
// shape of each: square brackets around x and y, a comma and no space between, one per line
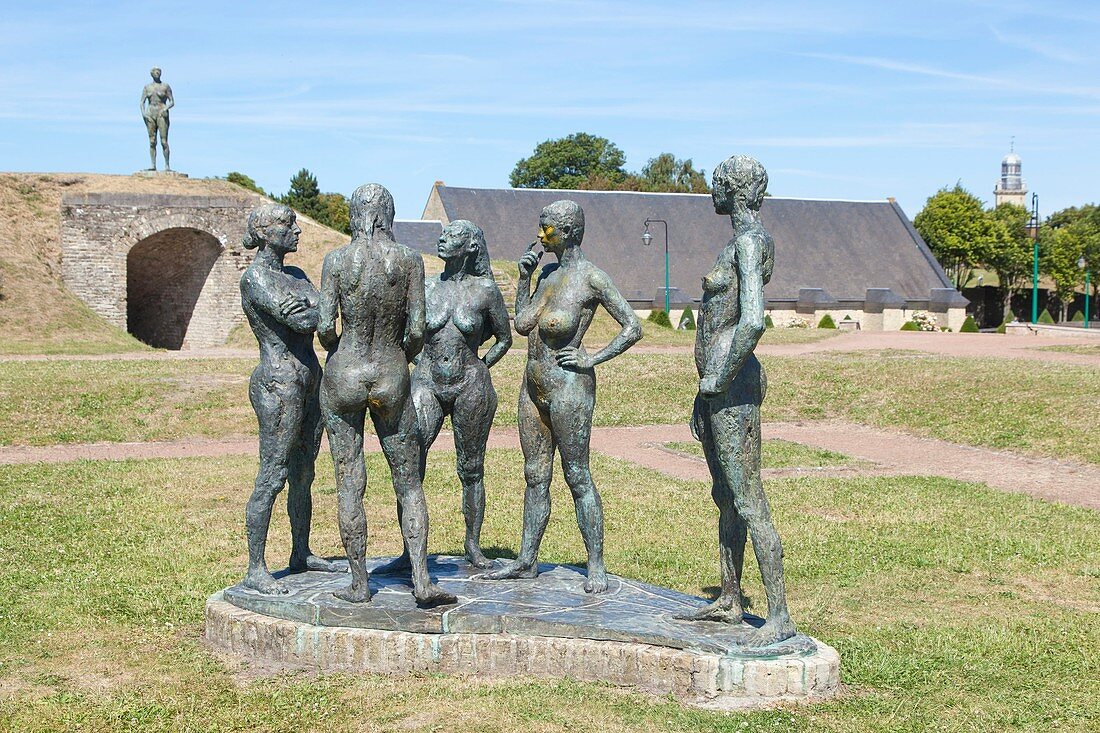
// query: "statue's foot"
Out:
[771,632]
[725,609]
[354,593]
[433,595]
[512,571]
[263,582]
[399,564]
[299,564]
[476,557]
[597,581]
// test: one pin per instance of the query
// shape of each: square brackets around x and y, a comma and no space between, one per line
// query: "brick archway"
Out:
[166,268]
[165,275]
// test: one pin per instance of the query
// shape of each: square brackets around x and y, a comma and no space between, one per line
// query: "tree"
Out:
[1081,227]
[304,195]
[569,162]
[1011,254]
[1060,248]
[667,173]
[244,182]
[959,231]
[334,212]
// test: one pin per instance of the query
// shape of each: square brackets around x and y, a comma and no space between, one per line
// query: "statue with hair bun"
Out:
[732,385]
[282,308]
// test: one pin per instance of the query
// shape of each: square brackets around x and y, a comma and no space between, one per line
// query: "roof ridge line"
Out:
[661,193]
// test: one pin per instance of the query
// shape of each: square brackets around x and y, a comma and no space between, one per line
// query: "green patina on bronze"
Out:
[732,386]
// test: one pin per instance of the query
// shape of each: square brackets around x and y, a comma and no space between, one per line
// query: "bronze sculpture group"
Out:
[375,315]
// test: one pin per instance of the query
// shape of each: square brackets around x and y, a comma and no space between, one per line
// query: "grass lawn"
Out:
[1037,408]
[781,454]
[1086,349]
[953,607]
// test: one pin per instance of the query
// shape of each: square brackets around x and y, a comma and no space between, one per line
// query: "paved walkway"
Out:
[887,452]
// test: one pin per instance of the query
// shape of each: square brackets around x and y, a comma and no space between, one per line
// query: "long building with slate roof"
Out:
[860,260]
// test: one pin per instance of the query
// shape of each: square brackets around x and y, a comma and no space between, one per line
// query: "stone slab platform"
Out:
[547,627]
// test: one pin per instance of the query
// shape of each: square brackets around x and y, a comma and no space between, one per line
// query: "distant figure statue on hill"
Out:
[373,288]
[732,385]
[282,307]
[156,100]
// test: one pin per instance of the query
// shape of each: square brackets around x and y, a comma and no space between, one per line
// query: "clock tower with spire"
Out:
[1011,189]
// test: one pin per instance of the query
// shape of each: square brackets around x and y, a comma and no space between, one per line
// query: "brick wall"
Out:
[165,267]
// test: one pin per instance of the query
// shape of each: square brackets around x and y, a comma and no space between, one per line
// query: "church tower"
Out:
[1011,188]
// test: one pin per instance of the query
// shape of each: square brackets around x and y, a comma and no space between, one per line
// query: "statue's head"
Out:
[370,210]
[561,225]
[272,226]
[738,178]
[155,73]
[464,240]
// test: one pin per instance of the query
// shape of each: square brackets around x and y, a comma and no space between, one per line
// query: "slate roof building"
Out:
[857,259]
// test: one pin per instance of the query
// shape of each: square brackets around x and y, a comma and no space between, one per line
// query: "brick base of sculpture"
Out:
[505,629]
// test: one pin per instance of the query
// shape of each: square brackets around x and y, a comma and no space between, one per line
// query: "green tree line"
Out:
[305,197]
[965,235]
[584,161]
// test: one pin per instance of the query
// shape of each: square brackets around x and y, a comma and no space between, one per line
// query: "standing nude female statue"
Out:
[558,392]
[376,287]
[156,100]
[732,386]
[464,309]
[281,306]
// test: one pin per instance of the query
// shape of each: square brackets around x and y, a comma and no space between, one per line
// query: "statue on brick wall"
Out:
[156,100]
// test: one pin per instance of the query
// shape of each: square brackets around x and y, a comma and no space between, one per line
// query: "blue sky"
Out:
[858,100]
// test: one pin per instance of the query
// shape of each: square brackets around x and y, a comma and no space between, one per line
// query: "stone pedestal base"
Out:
[161,174]
[628,636]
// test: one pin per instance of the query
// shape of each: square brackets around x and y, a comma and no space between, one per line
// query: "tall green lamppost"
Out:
[1081,263]
[647,238]
[1035,258]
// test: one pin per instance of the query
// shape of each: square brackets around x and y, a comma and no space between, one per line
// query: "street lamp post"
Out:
[647,238]
[1035,258]
[1085,266]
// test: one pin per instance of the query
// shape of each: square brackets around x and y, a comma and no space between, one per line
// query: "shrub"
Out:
[795,321]
[244,182]
[687,320]
[1045,317]
[925,321]
[1078,317]
[910,326]
[659,317]
[826,322]
[1001,328]
[768,322]
[969,326]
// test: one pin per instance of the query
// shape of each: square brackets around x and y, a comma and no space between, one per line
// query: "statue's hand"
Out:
[575,358]
[529,261]
[709,387]
[292,305]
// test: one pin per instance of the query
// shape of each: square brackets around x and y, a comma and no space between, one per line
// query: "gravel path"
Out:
[889,452]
